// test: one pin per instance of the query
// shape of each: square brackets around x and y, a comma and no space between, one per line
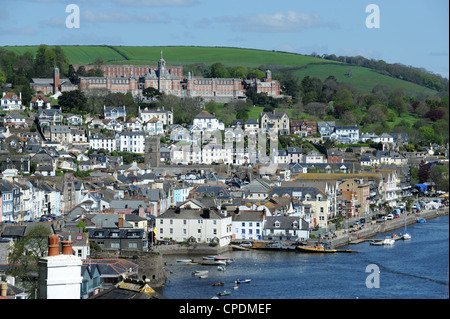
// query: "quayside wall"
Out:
[370,230]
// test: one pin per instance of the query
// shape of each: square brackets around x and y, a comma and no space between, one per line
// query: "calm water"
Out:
[414,269]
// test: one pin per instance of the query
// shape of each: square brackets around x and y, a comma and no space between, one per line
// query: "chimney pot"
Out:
[53,245]
[67,247]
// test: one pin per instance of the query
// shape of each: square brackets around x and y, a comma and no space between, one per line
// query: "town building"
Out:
[132,142]
[165,116]
[11,102]
[275,122]
[206,121]
[194,225]
[286,228]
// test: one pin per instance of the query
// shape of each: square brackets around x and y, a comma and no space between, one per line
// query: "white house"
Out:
[15,119]
[194,225]
[114,112]
[133,142]
[251,126]
[134,124]
[154,126]
[386,138]
[286,228]
[40,101]
[205,120]
[248,224]
[166,117]
[97,142]
[113,125]
[11,102]
[346,134]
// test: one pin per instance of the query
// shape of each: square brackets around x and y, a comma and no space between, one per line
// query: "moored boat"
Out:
[315,249]
[223,293]
[218,284]
[184,260]
[209,257]
[244,281]
[388,241]
[406,236]
[421,220]
[200,273]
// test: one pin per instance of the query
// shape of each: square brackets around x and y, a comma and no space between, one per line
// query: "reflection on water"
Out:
[417,268]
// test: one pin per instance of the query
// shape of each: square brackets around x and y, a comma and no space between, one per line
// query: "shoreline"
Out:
[379,228]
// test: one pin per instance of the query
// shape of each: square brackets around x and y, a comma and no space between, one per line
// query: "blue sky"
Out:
[411,32]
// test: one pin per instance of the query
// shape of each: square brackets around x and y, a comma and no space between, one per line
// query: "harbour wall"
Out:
[372,229]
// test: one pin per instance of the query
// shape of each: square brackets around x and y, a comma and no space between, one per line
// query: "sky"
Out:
[414,32]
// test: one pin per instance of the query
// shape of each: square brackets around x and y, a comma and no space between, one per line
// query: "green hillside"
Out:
[77,54]
[179,55]
[361,78]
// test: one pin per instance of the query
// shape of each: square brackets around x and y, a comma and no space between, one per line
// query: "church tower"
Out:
[152,151]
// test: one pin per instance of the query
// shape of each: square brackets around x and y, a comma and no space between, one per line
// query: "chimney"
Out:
[53,245]
[60,274]
[55,80]
[121,218]
[67,247]
[4,289]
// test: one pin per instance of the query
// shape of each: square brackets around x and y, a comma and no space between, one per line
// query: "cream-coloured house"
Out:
[194,225]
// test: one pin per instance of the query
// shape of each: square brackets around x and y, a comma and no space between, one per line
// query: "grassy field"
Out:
[177,55]
[78,54]
[361,78]
[182,55]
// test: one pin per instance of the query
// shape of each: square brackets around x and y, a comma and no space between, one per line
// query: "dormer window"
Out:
[277,224]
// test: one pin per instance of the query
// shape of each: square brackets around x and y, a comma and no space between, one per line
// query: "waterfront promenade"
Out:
[345,237]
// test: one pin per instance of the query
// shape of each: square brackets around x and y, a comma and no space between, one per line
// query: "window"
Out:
[132,245]
[115,245]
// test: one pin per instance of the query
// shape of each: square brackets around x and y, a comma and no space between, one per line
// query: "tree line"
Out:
[419,76]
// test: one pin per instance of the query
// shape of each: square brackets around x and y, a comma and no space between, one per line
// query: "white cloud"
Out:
[291,21]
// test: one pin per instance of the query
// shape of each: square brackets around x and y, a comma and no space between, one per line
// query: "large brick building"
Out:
[170,80]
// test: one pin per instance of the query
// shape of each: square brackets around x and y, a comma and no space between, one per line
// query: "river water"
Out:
[414,269]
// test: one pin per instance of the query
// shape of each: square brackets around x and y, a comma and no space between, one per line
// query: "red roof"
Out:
[40,97]
[11,96]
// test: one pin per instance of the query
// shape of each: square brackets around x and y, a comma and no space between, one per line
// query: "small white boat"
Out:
[184,260]
[406,236]
[200,273]
[203,276]
[235,287]
[221,268]
[389,242]
[245,281]
[209,257]
[223,293]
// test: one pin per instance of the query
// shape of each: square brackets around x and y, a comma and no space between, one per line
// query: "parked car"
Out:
[381,219]
[362,220]
[246,244]
[389,217]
